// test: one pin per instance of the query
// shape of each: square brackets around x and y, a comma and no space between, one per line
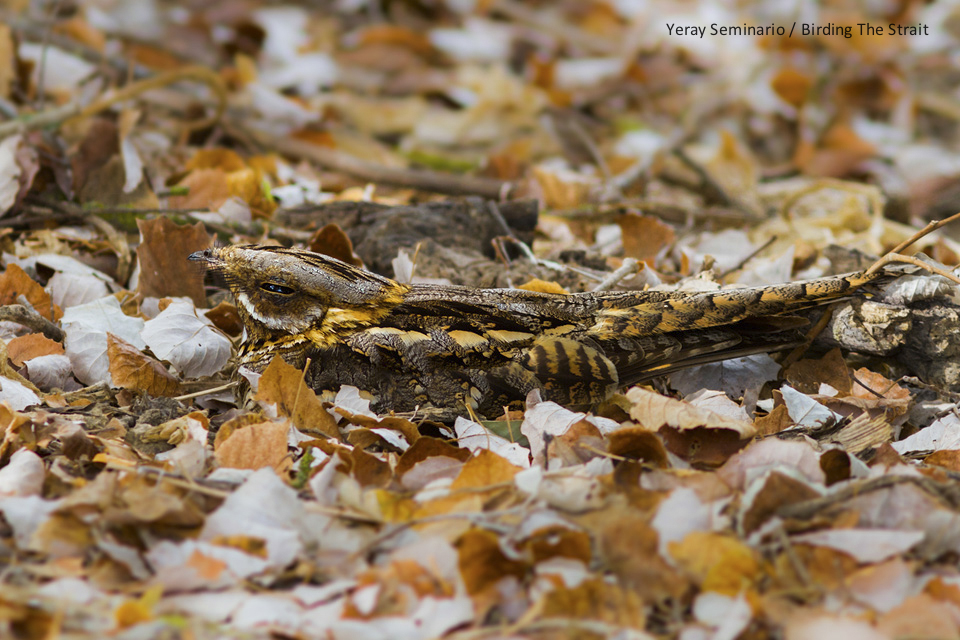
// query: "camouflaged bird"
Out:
[444,348]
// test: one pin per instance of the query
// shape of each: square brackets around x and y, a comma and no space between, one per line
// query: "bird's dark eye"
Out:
[273,287]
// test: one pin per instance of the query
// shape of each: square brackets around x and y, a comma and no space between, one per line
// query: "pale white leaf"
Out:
[475,437]
[9,172]
[25,514]
[188,341]
[72,289]
[942,435]
[132,165]
[62,71]
[864,545]
[16,394]
[349,399]
[86,328]
[23,475]
[263,507]
[805,411]
[729,616]
[478,41]
[549,418]
[50,372]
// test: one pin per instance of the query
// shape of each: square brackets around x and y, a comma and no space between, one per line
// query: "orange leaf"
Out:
[256,446]
[15,282]
[644,236]
[131,369]
[284,386]
[484,469]
[792,85]
[32,345]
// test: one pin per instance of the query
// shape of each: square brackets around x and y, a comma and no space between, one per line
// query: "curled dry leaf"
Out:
[284,386]
[654,411]
[131,369]
[32,345]
[332,241]
[14,282]
[16,394]
[187,340]
[86,328]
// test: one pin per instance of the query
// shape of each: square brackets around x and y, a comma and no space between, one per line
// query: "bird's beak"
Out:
[207,255]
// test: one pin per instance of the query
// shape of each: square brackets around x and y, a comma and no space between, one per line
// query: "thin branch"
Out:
[629,267]
[32,320]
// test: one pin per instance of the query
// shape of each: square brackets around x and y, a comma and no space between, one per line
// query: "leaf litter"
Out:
[149,489]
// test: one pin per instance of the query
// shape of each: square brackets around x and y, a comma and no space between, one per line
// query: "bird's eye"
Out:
[273,287]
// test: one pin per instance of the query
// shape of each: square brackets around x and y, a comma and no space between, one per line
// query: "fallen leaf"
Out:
[644,237]
[284,386]
[187,340]
[163,251]
[131,369]
[30,346]
[14,282]
[256,446]
[333,242]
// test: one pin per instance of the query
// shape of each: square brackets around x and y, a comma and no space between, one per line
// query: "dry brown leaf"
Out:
[164,268]
[654,411]
[14,282]
[256,446]
[483,563]
[628,549]
[333,242]
[719,562]
[206,189]
[224,316]
[483,470]
[644,236]
[638,444]
[774,422]
[596,599]
[426,448]
[807,375]
[226,160]
[131,369]
[792,85]
[32,345]
[284,386]
[100,143]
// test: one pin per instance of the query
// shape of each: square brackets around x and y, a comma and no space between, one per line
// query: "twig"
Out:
[899,258]
[32,320]
[894,254]
[497,215]
[808,339]
[629,267]
[750,257]
[206,392]
[438,182]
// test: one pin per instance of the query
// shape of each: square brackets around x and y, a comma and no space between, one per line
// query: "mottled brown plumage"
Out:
[446,347]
